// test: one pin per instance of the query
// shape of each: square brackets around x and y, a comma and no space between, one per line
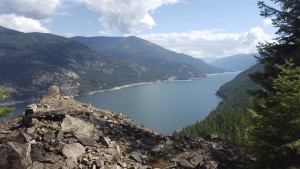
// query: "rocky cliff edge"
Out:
[59,132]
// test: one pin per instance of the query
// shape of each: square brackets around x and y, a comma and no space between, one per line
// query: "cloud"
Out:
[267,22]
[126,16]
[210,43]
[26,16]
[20,23]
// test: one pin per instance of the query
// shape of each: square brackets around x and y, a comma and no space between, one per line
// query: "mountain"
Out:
[143,52]
[229,120]
[209,59]
[69,134]
[238,62]
[31,62]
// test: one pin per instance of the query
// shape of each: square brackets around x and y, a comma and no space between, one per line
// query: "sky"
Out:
[199,28]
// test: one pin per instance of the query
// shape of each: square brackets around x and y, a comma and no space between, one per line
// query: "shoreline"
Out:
[140,84]
[119,88]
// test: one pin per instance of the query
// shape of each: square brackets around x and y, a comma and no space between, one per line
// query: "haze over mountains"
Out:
[31,62]
[239,62]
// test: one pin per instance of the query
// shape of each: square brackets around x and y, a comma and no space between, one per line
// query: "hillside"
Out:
[143,52]
[69,134]
[238,62]
[31,62]
[228,120]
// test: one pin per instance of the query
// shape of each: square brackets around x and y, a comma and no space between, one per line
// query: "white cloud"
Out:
[126,16]
[27,15]
[267,22]
[34,9]
[210,43]
[20,23]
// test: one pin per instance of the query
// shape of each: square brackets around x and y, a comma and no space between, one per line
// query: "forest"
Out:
[261,107]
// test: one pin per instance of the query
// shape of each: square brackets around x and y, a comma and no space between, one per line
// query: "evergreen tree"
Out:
[274,135]
[5,110]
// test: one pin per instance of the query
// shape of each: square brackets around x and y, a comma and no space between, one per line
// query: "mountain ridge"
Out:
[142,51]
[31,62]
[238,62]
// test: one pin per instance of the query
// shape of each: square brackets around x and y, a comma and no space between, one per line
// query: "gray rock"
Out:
[36,165]
[37,152]
[104,141]
[49,135]
[59,135]
[50,158]
[196,160]
[185,164]
[209,165]
[110,167]
[15,155]
[26,137]
[79,127]
[158,149]
[27,121]
[53,92]
[137,156]
[69,163]
[86,141]
[73,150]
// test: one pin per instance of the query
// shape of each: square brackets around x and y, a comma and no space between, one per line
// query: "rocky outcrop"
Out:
[59,132]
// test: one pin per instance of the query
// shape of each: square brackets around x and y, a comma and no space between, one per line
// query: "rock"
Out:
[209,165]
[50,158]
[223,158]
[73,150]
[185,164]
[196,160]
[158,149]
[37,152]
[15,155]
[137,156]
[30,109]
[59,135]
[211,137]
[79,127]
[104,141]
[111,167]
[69,163]
[5,132]
[36,165]
[49,135]
[52,93]
[86,141]
[27,121]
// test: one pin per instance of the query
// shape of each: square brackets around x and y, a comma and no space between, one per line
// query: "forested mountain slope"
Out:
[143,52]
[228,119]
[31,62]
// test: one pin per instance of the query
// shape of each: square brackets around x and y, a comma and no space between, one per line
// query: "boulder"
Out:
[15,155]
[73,150]
[79,128]
[53,92]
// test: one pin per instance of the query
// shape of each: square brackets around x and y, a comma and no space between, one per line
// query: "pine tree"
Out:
[275,137]
[5,110]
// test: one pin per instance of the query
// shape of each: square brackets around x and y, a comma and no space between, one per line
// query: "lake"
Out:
[163,107]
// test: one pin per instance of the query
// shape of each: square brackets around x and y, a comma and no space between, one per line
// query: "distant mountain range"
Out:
[239,62]
[31,62]
[143,52]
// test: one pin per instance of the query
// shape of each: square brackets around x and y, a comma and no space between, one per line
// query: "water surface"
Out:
[163,107]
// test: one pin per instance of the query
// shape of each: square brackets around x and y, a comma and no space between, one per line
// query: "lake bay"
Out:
[163,107]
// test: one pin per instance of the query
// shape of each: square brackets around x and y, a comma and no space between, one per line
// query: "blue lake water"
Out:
[163,107]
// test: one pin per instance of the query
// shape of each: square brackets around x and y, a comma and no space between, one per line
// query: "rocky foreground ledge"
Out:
[59,132]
